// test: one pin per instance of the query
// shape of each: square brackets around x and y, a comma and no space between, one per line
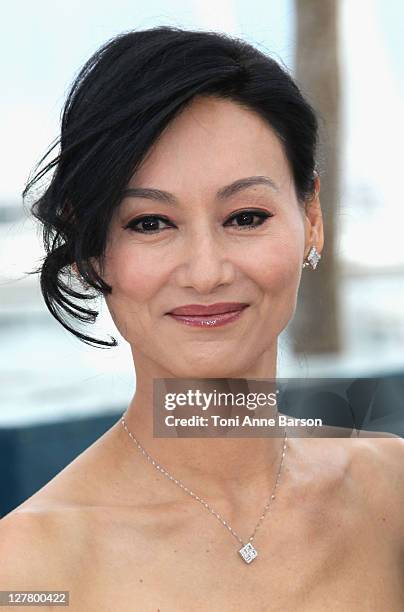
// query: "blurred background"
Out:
[57,395]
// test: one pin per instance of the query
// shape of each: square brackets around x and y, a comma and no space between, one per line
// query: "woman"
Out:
[186,176]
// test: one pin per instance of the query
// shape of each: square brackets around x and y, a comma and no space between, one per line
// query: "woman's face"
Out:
[196,250]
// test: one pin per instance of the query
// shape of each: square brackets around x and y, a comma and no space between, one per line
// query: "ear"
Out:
[314,229]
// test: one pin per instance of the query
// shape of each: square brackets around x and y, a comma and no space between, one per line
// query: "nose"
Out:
[205,262]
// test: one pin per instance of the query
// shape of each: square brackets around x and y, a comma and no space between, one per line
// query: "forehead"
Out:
[211,143]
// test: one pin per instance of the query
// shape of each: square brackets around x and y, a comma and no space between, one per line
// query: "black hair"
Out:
[120,102]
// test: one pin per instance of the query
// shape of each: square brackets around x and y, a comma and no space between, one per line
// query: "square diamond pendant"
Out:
[248,552]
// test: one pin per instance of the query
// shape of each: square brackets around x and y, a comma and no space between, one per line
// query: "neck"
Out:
[218,466]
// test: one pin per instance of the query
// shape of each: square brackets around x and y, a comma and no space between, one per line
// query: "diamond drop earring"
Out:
[312,258]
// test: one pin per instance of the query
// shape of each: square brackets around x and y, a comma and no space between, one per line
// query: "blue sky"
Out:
[44,43]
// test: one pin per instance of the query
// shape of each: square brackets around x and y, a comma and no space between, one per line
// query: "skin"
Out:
[116,532]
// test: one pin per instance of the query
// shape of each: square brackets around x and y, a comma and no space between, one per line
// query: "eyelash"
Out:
[255,213]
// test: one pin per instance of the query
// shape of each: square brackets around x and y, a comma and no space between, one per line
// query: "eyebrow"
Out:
[222,194]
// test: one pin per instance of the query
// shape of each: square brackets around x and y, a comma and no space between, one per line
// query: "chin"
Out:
[207,370]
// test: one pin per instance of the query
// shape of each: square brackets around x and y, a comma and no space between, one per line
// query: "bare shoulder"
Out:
[45,540]
[42,540]
[377,469]
[37,547]
[383,455]
[366,473]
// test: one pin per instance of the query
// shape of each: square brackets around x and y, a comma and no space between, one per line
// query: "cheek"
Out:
[134,273]
[135,276]
[275,265]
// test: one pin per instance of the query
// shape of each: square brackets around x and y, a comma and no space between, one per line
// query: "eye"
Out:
[150,224]
[245,218]
[147,224]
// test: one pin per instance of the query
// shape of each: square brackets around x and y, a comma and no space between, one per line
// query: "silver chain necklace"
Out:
[247,552]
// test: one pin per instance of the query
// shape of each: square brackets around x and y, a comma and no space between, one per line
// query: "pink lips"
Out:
[213,315]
